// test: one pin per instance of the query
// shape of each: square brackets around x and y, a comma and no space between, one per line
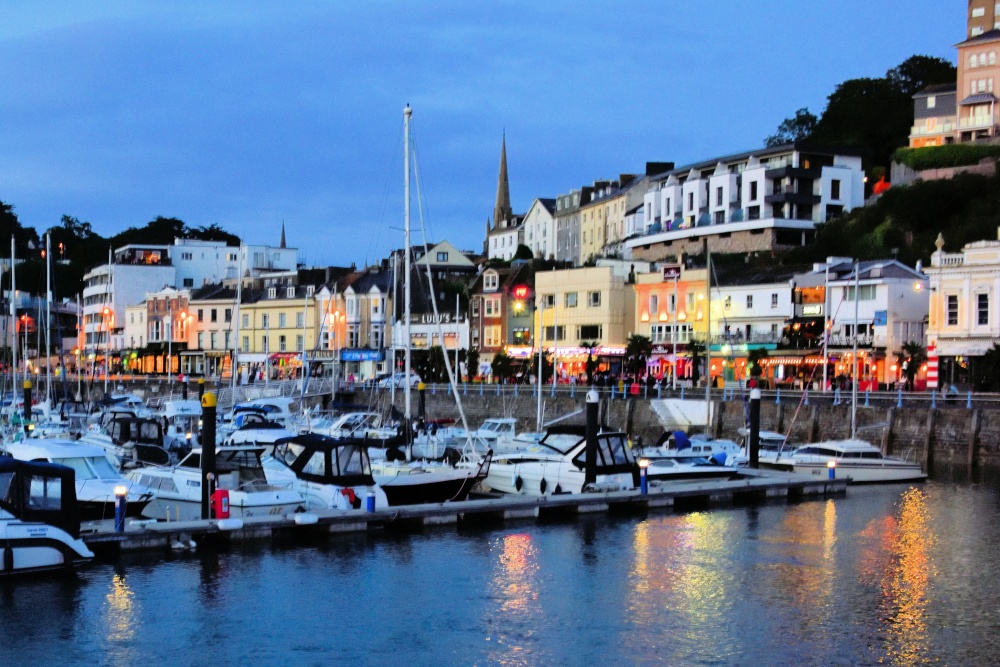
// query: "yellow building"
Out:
[669,311]
[277,323]
[586,305]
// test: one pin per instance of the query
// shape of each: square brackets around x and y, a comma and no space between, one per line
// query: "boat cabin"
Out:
[613,453]
[45,492]
[236,467]
[323,460]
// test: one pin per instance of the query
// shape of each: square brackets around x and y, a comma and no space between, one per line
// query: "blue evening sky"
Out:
[245,114]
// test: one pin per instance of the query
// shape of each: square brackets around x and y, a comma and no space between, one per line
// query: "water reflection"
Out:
[119,615]
[514,585]
[803,563]
[898,561]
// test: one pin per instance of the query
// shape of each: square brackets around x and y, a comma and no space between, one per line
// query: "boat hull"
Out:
[860,474]
[185,509]
[30,547]
[405,490]
[538,479]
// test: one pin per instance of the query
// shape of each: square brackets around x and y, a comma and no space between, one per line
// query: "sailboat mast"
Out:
[407,114]
[107,325]
[13,318]
[708,338]
[234,366]
[854,372]
[48,316]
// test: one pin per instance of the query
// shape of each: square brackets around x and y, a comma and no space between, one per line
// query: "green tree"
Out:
[546,375]
[502,366]
[591,365]
[523,252]
[637,351]
[754,365]
[214,232]
[910,358]
[436,369]
[793,129]
[472,364]
[25,238]
[697,351]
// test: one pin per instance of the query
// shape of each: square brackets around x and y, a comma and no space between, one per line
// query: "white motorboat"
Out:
[281,409]
[496,433]
[39,519]
[858,460]
[770,445]
[353,425]
[676,470]
[329,473]
[557,464]
[238,471]
[182,423]
[679,446]
[428,481]
[252,427]
[96,477]
[129,441]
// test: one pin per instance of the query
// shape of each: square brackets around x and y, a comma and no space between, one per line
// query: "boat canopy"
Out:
[36,491]
[324,460]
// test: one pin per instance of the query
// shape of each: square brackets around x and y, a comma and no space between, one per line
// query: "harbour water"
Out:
[889,575]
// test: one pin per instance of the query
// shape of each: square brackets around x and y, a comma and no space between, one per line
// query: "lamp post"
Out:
[539,335]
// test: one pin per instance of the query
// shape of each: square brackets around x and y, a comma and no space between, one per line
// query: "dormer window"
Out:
[290,293]
[491,281]
[310,290]
[272,292]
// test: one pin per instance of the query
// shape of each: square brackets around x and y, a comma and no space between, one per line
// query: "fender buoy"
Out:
[518,482]
[542,485]
[8,559]
[558,489]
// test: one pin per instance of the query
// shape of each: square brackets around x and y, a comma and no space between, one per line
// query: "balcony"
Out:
[789,195]
[839,340]
[976,122]
[924,131]
[793,172]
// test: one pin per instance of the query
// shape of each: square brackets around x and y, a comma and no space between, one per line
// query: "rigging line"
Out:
[430,282]
[730,356]
[384,203]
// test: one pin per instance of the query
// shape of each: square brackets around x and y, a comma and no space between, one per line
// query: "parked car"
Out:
[398,380]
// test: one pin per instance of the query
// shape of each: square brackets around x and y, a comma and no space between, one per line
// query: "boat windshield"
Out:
[561,442]
[89,467]
[353,460]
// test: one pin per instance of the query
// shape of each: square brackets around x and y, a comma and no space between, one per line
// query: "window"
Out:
[281,320]
[654,304]
[835,188]
[727,302]
[246,321]
[571,299]
[298,343]
[298,320]
[201,340]
[589,332]
[491,336]
[265,321]
[442,257]
[246,343]
[549,300]
[774,300]
[594,299]
[865,293]
[718,196]
[281,343]
[952,310]
[982,309]
[186,255]
[229,314]
[290,293]
[560,333]
[491,306]
[201,315]
[213,315]
[189,282]
[214,339]
[690,201]
[272,292]
[753,190]
[749,301]
[475,307]
[978,12]
[490,281]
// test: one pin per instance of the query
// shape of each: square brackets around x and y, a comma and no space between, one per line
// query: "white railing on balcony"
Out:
[976,122]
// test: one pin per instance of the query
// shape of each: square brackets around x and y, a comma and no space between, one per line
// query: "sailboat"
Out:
[411,481]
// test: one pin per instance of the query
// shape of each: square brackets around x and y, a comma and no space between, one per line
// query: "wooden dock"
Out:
[755,486]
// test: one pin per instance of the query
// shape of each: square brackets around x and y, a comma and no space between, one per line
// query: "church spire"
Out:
[502,211]
[281,244]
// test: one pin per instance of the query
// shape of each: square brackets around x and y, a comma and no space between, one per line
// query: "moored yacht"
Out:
[556,464]
[856,459]
[39,521]
[96,478]
[238,470]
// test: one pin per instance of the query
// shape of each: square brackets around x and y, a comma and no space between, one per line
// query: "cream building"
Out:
[586,305]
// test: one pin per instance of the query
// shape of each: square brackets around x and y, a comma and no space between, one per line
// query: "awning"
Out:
[286,356]
[979,98]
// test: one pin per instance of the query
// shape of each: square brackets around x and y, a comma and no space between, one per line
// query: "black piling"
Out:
[27,404]
[590,458]
[208,411]
[754,441]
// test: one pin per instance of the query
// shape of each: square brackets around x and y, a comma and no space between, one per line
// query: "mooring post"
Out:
[867,392]
[777,396]
[805,397]
[929,440]
[933,399]
[27,405]
[899,397]
[973,437]
[754,427]
[209,405]
[590,457]
[968,401]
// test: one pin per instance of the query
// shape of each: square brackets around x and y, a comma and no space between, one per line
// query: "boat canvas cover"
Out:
[324,460]
[36,491]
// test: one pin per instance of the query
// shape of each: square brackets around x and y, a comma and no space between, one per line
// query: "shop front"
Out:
[362,363]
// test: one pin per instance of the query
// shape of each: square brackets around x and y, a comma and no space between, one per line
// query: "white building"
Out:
[138,269]
[759,200]
[964,323]
[540,228]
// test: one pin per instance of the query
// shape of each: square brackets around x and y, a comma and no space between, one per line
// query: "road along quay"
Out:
[753,486]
